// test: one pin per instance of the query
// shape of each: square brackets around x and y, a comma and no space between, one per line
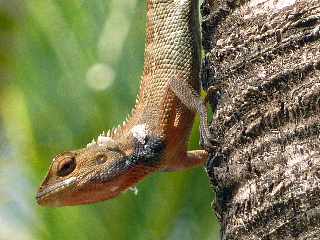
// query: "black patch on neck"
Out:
[148,153]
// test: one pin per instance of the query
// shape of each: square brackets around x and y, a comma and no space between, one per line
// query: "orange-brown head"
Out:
[98,172]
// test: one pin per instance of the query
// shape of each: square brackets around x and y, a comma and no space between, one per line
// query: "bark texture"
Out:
[263,59]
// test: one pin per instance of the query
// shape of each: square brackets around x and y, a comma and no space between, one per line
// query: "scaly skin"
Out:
[155,137]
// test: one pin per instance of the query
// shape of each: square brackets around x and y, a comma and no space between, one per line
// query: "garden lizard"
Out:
[155,136]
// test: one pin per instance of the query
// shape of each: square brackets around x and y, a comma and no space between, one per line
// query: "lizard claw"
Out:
[206,139]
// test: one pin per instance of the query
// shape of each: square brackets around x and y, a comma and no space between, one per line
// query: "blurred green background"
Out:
[68,70]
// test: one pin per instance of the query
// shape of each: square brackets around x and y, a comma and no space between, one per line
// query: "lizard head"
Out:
[96,173]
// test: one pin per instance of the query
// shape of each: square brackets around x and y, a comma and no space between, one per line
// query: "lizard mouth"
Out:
[43,193]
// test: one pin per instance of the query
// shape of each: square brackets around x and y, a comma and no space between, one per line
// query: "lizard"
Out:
[154,137]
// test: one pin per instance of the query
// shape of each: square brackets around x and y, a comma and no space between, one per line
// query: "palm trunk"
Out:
[263,59]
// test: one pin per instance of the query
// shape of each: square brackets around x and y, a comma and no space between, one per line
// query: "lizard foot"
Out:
[213,96]
[207,142]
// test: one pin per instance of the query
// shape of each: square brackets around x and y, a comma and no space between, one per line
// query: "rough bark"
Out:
[263,59]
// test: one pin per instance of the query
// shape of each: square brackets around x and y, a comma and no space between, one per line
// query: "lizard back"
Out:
[172,53]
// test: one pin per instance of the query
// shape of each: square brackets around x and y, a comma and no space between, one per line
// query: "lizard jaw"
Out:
[43,194]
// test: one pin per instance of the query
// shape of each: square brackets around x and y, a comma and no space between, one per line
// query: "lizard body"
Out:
[155,137]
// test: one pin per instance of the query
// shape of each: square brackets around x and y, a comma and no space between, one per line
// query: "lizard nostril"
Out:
[66,167]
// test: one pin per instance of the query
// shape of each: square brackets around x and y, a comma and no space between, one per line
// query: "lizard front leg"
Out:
[187,160]
[192,100]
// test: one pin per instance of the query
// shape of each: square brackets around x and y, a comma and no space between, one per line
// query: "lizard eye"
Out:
[66,167]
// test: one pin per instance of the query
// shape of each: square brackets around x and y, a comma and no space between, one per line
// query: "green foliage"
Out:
[76,72]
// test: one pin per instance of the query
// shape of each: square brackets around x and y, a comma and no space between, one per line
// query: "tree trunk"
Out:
[263,60]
